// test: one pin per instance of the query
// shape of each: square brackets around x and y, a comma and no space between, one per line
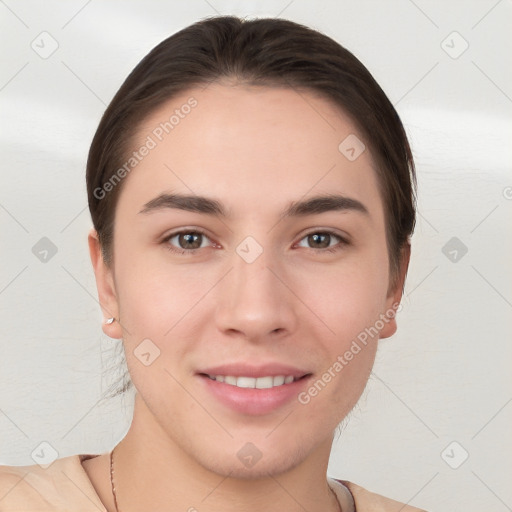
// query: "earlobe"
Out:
[106,288]
[395,294]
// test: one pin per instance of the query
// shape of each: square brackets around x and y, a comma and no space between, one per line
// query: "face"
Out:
[225,284]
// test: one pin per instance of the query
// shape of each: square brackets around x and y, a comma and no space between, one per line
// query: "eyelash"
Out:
[169,247]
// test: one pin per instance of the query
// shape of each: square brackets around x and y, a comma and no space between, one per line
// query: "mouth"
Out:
[265,382]
[251,390]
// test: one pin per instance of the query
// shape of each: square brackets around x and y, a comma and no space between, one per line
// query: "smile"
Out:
[255,382]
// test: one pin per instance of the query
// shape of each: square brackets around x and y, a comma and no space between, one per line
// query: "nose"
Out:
[255,300]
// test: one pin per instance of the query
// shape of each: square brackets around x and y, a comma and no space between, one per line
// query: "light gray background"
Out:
[444,377]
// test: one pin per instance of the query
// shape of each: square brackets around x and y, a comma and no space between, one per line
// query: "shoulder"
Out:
[368,501]
[57,487]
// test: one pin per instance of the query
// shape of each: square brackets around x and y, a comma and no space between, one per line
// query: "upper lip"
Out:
[261,370]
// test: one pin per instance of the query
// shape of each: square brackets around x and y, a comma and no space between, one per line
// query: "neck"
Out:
[153,473]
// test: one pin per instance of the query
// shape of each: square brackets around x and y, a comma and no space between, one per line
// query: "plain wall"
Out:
[443,378]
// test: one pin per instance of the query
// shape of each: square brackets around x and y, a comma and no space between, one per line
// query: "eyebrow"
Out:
[200,204]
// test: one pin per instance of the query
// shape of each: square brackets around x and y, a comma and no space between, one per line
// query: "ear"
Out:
[395,294]
[106,288]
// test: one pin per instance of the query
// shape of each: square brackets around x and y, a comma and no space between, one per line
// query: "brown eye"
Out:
[189,240]
[185,241]
[320,240]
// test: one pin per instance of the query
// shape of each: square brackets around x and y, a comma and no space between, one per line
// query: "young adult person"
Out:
[252,192]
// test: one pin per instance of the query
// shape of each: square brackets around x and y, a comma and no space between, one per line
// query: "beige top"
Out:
[65,486]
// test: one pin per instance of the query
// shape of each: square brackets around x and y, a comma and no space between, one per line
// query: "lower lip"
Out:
[254,401]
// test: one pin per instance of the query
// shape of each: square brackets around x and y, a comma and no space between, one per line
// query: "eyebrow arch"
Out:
[199,204]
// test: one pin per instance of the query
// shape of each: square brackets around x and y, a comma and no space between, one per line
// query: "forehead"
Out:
[252,144]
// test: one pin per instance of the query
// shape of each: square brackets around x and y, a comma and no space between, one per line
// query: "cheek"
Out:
[349,304]
[159,327]
[348,300]
[154,290]
[160,305]
[347,296]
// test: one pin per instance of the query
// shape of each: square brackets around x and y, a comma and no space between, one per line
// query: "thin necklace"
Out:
[112,478]
[114,487]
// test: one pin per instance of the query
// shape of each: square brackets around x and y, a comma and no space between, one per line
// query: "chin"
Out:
[275,465]
[253,461]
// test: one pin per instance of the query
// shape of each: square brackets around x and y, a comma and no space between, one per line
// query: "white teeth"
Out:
[246,382]
[280,380]
[264,382]
[253,382]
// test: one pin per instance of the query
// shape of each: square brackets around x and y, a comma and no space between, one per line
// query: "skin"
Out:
[255,149]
